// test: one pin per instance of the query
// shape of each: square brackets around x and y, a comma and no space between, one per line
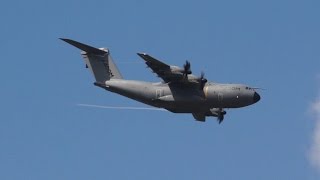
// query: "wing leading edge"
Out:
[170,74]
[158,67]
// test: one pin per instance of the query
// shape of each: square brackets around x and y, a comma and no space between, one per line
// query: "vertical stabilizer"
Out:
[98,60]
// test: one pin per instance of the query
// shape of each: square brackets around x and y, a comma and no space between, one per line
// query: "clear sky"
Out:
[272,44]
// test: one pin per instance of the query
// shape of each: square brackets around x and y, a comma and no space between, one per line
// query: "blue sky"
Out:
[271,44]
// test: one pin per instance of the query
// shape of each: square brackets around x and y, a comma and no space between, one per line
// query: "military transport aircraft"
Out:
[179,92]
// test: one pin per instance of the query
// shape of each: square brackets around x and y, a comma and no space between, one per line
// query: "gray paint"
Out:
[176,94]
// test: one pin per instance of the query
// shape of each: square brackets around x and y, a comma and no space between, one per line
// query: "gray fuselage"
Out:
[180,91]
[183,98]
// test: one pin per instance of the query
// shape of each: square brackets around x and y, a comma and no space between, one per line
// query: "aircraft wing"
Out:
[174,74]
[161,69]
[164,71]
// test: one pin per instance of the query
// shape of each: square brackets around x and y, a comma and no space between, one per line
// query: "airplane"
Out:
[179,92]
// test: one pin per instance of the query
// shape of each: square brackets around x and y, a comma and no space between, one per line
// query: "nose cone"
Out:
[256,97]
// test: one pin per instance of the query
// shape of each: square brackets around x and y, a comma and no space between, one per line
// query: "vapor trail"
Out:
[121,107]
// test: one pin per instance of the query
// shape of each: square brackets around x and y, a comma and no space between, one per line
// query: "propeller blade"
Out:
[202,75]
[221,114]
[186,69]
[187,65]
[202,80]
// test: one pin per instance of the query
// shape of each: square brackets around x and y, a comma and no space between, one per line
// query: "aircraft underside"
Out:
[180,92]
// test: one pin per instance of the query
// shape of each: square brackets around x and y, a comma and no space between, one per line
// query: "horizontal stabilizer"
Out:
[84,47]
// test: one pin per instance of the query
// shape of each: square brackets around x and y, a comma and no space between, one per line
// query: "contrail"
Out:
[121,107]
[315,144]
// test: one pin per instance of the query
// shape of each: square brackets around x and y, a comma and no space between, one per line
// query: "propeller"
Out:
[202,80]
[221,114]
[186,69]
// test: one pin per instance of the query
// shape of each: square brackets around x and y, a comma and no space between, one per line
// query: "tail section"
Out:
[98,61]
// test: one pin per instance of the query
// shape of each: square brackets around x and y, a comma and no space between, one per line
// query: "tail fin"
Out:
[98,61]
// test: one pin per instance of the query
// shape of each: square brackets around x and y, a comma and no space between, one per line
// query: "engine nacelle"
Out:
[176,69]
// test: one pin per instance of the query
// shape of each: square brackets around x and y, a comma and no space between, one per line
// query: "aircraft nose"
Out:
[256,97]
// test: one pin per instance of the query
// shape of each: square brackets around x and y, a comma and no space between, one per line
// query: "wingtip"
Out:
[70,41]
[63,39]
[142,54]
